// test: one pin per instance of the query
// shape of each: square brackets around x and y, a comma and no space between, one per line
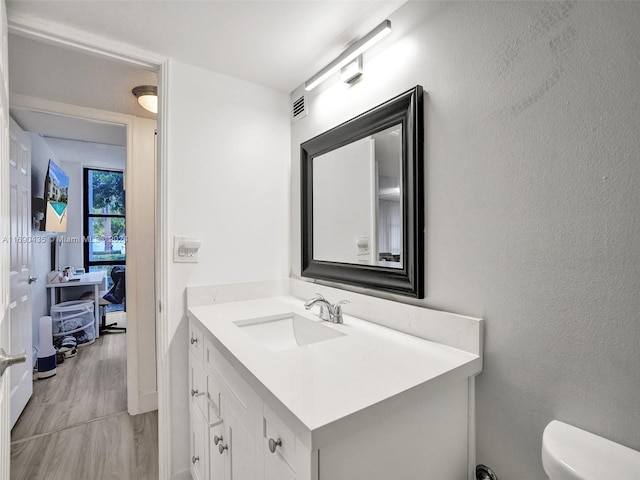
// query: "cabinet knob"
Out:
[217,439]
[194,459]
[196,393]
[222,448]
[273,444]
[194,340]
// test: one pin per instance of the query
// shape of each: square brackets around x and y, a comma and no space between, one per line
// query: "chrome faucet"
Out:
[328,312]
[325,306]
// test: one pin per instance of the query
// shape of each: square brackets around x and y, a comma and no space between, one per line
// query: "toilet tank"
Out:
[569,453]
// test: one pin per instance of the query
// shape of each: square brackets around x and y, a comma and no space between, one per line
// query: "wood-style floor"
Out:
[76,424]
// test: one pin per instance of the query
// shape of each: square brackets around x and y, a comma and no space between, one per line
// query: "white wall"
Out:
[41,247]
[228,185]
[71,252]
[532,194]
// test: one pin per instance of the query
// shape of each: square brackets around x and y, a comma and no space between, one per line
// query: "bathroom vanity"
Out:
[278,394]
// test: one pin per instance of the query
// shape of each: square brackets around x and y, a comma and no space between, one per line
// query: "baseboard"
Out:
[185,475]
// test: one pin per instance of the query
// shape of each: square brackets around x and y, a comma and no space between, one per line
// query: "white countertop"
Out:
[329,380]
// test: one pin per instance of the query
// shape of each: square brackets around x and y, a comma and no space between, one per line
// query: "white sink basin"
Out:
[286,331]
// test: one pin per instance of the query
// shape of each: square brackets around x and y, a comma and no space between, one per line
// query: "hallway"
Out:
[76,423]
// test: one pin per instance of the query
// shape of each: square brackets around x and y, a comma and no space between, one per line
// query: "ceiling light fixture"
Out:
[147,96]
[355,50]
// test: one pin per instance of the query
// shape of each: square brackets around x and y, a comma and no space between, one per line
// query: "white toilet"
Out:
[569,453]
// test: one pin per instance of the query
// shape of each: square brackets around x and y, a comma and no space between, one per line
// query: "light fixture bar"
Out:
[359,47]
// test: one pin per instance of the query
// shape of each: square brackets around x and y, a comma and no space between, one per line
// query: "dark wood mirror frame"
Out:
[405,109]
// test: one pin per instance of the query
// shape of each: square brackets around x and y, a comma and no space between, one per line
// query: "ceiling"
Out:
[62,126]
[88,153]
[59,74]
[75,139]
[279,44]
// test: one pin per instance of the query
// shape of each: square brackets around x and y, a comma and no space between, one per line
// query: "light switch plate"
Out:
[182,254]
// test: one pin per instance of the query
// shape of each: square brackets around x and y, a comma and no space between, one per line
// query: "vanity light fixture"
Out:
[352,71]
[351,53]
[147,96]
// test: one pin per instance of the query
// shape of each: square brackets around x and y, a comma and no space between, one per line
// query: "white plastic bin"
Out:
[74,317]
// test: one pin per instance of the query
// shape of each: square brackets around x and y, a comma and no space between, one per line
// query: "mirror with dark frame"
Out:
[362,199]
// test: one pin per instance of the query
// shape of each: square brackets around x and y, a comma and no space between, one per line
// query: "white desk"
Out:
[97,279]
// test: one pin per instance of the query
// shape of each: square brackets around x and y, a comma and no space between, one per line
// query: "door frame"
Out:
[32,104]
[87,43]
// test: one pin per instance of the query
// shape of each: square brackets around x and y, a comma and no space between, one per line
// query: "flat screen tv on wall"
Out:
[56,190]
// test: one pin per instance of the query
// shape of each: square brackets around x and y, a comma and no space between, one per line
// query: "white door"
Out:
[20,268]
[4,249]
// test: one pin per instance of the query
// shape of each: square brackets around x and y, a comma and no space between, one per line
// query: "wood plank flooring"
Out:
[76,424]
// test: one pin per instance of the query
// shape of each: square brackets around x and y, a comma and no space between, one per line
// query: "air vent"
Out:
[298,108]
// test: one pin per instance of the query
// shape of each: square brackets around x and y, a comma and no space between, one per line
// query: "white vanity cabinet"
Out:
[222,414]
[241,430]
[231,426]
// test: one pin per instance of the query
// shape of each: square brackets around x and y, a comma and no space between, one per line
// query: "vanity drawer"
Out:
[285,453]
[196,342]
[198,386]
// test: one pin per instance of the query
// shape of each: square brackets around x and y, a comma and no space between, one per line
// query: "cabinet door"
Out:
[279,464]
[241,447]
[275,469]
[198,443]
[217,459]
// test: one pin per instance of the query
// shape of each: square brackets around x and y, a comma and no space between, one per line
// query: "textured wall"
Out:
[532,203]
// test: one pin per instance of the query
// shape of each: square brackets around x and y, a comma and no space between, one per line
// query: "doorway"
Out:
[139,141]
[159,66]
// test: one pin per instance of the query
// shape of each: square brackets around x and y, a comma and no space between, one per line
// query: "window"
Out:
[104,220]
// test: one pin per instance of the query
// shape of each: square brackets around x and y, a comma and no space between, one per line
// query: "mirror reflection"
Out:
[357,207]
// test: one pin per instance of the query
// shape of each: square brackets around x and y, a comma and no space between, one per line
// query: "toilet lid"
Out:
[569,453]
